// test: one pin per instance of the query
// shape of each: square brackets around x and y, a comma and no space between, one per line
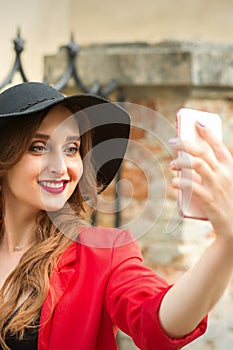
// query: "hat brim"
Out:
[109,121]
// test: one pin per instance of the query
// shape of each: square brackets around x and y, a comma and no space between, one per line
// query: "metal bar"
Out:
[121,99]
[72,72]
[17,66]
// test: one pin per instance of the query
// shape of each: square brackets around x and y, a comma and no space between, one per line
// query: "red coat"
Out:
[100,285]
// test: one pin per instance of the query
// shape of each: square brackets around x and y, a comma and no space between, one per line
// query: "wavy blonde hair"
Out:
[36,265]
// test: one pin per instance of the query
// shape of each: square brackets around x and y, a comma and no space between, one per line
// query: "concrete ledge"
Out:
[167,64]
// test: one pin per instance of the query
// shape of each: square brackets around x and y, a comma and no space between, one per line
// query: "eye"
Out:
[72,149]
[38,147]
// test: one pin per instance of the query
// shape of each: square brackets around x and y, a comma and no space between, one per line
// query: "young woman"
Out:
[65,284]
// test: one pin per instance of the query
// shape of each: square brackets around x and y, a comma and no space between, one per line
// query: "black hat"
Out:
[109,121]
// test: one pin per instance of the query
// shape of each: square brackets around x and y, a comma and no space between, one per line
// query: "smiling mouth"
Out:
[55,187]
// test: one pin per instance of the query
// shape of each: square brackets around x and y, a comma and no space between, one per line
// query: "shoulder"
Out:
[109,245]
[99,237]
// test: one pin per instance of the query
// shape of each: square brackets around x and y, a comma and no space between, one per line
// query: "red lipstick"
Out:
[53,186]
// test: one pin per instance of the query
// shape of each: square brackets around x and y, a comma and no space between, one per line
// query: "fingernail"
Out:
[200,124]
[171,164]
[173,141]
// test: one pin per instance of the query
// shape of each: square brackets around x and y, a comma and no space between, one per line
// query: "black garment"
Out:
[30,340]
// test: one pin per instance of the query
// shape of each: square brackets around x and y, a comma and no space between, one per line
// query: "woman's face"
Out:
[50,169]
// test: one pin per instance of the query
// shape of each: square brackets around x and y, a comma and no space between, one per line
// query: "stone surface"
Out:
[174,64]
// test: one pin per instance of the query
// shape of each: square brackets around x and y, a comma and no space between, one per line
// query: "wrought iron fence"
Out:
[71,71]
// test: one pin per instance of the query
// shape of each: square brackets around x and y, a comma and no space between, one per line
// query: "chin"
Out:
[53,207]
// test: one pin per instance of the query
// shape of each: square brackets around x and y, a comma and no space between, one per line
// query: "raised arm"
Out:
[192,297]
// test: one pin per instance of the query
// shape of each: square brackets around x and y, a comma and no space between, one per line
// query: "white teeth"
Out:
[52,184]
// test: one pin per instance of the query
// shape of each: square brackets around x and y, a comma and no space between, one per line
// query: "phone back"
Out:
[189,206]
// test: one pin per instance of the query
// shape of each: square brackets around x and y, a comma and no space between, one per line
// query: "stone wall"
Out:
[156,81]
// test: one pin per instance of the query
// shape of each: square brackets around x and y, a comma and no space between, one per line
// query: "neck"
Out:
[18,233]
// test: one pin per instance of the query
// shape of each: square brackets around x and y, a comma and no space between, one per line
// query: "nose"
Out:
[56,163]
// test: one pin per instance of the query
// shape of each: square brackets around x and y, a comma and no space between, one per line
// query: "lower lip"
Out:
[53,189]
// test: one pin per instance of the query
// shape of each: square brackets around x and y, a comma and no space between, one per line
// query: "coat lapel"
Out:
[59,281]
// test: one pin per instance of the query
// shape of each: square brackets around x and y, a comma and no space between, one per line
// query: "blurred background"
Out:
[45,25]
[161,56]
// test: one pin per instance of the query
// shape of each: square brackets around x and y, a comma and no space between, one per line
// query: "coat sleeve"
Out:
[133,297]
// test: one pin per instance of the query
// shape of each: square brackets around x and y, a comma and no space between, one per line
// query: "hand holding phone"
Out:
[189,206]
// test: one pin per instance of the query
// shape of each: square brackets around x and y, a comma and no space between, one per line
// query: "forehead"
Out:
[59,119]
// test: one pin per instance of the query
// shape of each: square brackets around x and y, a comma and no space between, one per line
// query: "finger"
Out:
[201,150]
[193,189]
[213,204]
[220,150]
[194,168]
[189,186]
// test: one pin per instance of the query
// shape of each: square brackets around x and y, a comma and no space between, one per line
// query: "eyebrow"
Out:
[46,137]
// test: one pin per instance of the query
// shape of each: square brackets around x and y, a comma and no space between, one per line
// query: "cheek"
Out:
[23,173]
[80,170]
[77,170]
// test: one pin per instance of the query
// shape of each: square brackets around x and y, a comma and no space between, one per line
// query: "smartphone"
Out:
[188,205]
